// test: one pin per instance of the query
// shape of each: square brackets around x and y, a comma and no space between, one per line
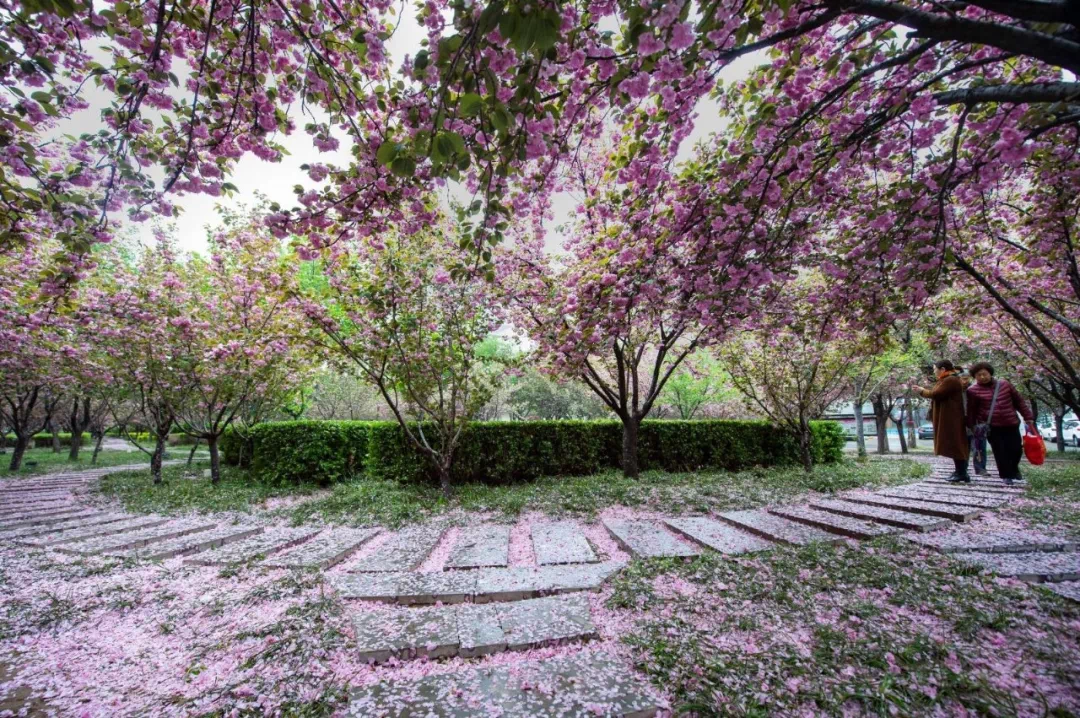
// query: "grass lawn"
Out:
[44,461]
[364,501]
[178,494]
[1053,497]
[877,628]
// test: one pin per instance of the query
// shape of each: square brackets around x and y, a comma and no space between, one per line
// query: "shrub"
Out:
[506,452]
[234,449]
[44,441]
[322,451]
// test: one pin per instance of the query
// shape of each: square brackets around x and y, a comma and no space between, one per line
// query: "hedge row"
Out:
[505,451]
[44,441]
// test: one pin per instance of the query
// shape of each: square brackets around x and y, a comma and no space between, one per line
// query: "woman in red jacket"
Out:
[1003,424]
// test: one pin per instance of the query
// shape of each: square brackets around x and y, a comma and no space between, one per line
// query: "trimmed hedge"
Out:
[44,441]
[510,451]
[233,449]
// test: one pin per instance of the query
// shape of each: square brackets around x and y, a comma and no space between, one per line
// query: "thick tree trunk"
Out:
[18,452]
[98,438]
[191,454]
[1059,421]
[215,460]
[912,429]
[805,445]
[56,446]
[881,425]
[156,458]
[860,430]
[630,467]
[76,444]
[444,478]
[900,433]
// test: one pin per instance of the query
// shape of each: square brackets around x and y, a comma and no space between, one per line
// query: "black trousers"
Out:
[1008,447]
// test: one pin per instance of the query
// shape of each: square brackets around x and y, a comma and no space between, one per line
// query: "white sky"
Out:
[253,176]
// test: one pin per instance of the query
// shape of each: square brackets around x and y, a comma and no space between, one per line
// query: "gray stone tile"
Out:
[404,551]
[57,529]
[647,539]
[586,684]
[18,528]
[431,632]
[1068,589]
[41,512]
[133,539]
[717,536]
[325,550]
[834,523]
[972,488]
[481,547]
[186,545]
[539,621]
[953,513]
[98,530]
[881,515]
[256,548]
[1032,567]
[444,587]
[777,529]
[1000,541]
[567,579]
[480,630]
[559,542]
[379,586]
[945,497]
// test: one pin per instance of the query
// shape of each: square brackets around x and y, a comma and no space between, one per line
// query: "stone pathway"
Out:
[471,601]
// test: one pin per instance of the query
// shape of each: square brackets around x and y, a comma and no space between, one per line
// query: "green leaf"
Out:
[387,152]
[470,103]
[403,167]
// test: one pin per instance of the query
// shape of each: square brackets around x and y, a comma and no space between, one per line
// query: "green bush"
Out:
[322,451]
[44,441]
[506,452]
[234,449]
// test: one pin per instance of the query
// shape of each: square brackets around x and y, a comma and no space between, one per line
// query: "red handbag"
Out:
[1034,448]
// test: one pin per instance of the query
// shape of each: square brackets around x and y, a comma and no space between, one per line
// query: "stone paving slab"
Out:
[973,488]
[1018,487]
[944,497]
[834,523]
[133,539]
[586,684]
[1068,589]
[953,513]
[646,539]
[325,550]
[404,551]
[486,585]
[1000,541]
[777,529]
[258,547]
[879,514]
[481,547]
[59,528]
[559,542]
[26,502]
[186,545]
[44,510]
[110,529]
[1031,567]
[49,520]
[717,536]
[475,629]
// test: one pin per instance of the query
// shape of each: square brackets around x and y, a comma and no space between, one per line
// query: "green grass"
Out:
[178,494]
[1054,493]
[44,461]
[365,501]
[835,628]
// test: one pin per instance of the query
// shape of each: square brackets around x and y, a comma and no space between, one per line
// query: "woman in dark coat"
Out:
[1002,427]
[948,417]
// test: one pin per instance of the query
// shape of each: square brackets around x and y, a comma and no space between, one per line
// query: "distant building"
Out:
[844,414]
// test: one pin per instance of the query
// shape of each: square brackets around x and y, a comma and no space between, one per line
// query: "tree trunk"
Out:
[215,461]
[156,458]
[98,438]
[900,433]
[805,444]
[191,454]
[444,478]
[1059,421]
[860,430]
[630,447]
[56,447]
[881,424]
[76,444]
[18,451]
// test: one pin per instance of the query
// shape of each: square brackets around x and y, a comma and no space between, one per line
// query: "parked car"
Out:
[926,431]
[1048,433]
[1070,430]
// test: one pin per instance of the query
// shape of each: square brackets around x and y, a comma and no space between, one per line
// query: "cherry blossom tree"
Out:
[409,318]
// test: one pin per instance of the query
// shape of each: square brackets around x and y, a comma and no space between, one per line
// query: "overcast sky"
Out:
[276,180]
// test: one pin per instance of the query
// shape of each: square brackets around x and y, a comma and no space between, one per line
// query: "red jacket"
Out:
[1009,402]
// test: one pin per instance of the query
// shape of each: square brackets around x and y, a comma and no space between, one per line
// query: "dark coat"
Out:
[947,415]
